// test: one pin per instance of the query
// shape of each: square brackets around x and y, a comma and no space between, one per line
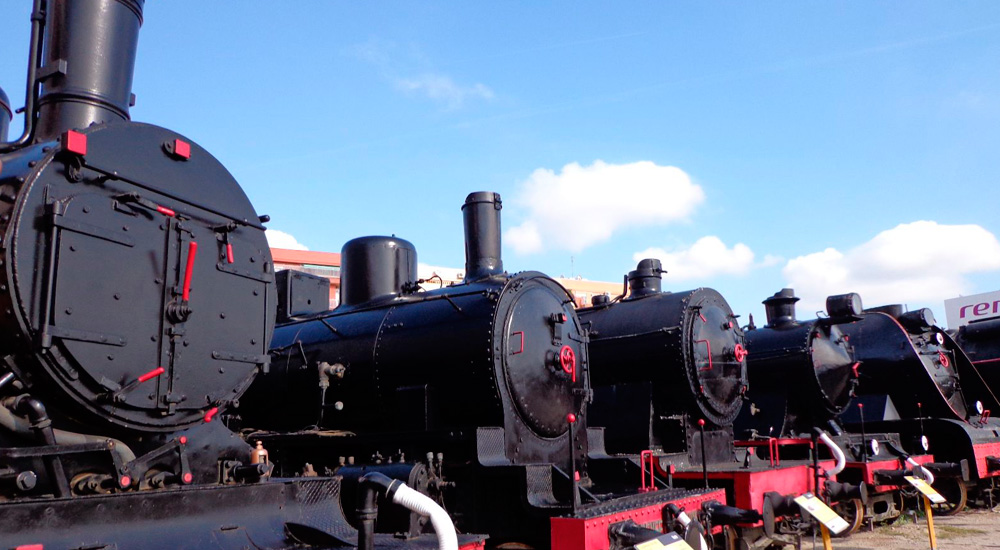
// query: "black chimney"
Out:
[375,267]
[780,308]
[646,279]
[87,64]
[482,235]
[6,115]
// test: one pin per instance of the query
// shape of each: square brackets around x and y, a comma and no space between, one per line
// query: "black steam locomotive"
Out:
[916,381]
[980,339]
[137,293]
[489,379]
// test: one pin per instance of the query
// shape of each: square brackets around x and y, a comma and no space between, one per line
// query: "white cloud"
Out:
[426,271]
[585,205]
[280,239]
[708,256]
[442,88]
[917,262]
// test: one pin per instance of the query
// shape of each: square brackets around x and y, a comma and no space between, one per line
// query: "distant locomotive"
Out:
[122,342]
[916,381]
[662,361]
[980,339]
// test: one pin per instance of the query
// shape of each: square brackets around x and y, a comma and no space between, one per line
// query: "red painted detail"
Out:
[30,547]
[748,487]
[576,475]
[519,334]
[708,346]
[981,361]
[701,389]
[573,533]
[476,545]
[982,451]
[125,481]
[774,445]
[211,414]
[854,369]
[567,360]
[564,318]
[571,418]
[730,324]
[182,149]
[166,211]
[189,270]
[703,319]
[183,440]
[865,471]
[984,417]
[229,258]
[74,142]
[187,477]
[943,359]
[152,374]
[740,352]
[862,405]
[701,421]
[646,458]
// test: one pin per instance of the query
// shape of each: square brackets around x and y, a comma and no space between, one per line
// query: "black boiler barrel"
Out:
[88,64]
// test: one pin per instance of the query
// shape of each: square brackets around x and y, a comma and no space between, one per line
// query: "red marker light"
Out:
[74,142]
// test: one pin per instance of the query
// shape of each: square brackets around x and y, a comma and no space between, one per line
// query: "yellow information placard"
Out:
[926,489]
[823,513]
[669,541]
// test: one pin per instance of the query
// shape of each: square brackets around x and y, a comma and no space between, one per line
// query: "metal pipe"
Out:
[41,424]
[838,454]
[31,88]
[481,213]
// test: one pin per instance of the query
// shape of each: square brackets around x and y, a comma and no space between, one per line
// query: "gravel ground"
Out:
[969,530]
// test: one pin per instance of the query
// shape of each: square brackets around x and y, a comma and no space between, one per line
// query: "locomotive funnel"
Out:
[87,64]
[6,114]
[482,235]
[645,280]
[780,308]
[375,267]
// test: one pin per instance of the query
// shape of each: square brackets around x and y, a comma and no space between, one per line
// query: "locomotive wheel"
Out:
[853,512]
[955,492]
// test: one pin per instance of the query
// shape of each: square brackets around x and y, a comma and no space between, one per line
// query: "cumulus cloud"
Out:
[426,271]
[585,205]
[442,88]
[708,256]
[280,239]
[917,262]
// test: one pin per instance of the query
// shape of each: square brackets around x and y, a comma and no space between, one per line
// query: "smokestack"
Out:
[87,64]
[780,308]
[646,279]
[375,267]
[482,235]
[6,115]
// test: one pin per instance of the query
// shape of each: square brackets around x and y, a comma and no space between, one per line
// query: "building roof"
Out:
[288,256]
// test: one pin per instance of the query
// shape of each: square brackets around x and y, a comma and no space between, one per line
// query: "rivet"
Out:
[69,311]
[111,357]
[117,296]
[72,248]
[152,338]
[86,209]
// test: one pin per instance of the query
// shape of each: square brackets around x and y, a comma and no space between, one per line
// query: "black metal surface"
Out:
[801,372]
[6,115]
[981,341]
[481,213]
[300,294]
[375,267]
[93,279]
[88,63]
[661,361]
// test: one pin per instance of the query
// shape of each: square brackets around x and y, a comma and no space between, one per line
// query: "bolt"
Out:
[86,209]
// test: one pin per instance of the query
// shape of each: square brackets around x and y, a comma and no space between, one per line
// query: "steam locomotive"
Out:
[916,381]
[489,378]
[670,377]
[980,339]
[803,375]
[137,292]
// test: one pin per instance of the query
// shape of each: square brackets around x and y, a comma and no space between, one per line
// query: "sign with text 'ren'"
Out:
[960,311]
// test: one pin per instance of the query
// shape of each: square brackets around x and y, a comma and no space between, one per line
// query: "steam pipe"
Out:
[838,454]
[18,425]
[481,213]
[376,483]
[41,425]
[34,60]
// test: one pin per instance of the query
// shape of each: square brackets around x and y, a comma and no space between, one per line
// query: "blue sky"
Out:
[751,145]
